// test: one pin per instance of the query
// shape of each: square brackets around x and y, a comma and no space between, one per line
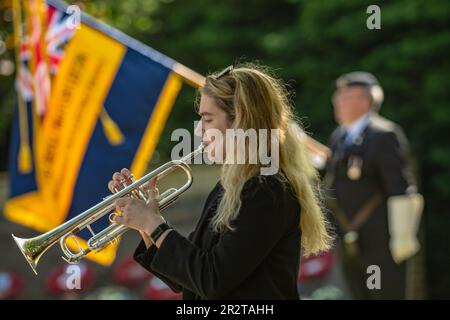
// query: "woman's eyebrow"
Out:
[204,113]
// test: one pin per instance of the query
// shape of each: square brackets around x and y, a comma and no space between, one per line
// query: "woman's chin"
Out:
[214,155]
[213,158]
[209,154]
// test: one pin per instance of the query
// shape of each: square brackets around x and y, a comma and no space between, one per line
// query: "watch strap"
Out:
[159,231]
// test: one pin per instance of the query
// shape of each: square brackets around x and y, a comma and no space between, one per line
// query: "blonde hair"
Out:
[253,98]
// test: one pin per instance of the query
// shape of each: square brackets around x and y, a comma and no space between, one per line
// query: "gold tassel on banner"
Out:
[111,129]
[24,160]
[25,163]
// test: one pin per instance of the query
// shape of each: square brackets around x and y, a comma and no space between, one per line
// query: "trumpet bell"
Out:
[30,250]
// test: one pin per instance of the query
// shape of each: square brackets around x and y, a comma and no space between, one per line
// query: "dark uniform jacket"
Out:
[381,151]
[258,260]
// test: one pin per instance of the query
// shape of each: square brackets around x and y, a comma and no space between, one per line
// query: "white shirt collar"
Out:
[355,128]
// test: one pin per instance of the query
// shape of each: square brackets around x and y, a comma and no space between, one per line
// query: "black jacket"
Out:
[258,260]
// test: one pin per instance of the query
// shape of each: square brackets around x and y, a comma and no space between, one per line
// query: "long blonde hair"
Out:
[254,98]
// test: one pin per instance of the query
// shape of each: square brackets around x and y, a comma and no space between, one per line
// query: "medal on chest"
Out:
[354,167]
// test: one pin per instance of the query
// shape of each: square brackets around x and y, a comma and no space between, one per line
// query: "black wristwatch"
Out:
[159,231]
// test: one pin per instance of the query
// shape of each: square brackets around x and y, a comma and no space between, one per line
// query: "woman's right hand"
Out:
[125,178]
[120,180]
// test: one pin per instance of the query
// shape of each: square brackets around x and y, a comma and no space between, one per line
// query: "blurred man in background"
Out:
[373,197]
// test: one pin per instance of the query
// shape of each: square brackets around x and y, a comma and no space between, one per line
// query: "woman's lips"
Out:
[206,142]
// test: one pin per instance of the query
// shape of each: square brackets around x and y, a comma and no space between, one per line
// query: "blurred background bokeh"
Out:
[309,44]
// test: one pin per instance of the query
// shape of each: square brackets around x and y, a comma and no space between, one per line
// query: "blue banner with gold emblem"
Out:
[106,102]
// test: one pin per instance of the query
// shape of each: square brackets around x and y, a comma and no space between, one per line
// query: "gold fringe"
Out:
[111,129]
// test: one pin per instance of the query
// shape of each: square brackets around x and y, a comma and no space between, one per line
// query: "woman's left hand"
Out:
[138,215]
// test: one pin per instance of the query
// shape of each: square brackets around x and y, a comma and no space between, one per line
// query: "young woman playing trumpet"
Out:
[253,227]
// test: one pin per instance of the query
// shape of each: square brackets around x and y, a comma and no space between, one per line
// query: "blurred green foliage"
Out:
[309,44]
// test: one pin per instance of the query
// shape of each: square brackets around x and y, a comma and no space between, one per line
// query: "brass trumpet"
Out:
[34,248]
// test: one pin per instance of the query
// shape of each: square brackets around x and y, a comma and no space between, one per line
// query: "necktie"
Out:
[342,140]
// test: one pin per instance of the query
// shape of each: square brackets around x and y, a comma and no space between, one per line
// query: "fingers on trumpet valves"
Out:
[120,180]
[124,178]
[127,177]
[114,185]
[126,173]
[111,187]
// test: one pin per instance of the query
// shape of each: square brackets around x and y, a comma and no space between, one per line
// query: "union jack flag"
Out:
[59,32]
[40,56]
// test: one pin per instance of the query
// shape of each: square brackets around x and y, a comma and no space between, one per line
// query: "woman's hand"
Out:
[124,178]
[134,213]
[138,215]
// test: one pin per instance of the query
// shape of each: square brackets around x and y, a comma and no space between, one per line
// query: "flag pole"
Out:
[24,157]
[190,76]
